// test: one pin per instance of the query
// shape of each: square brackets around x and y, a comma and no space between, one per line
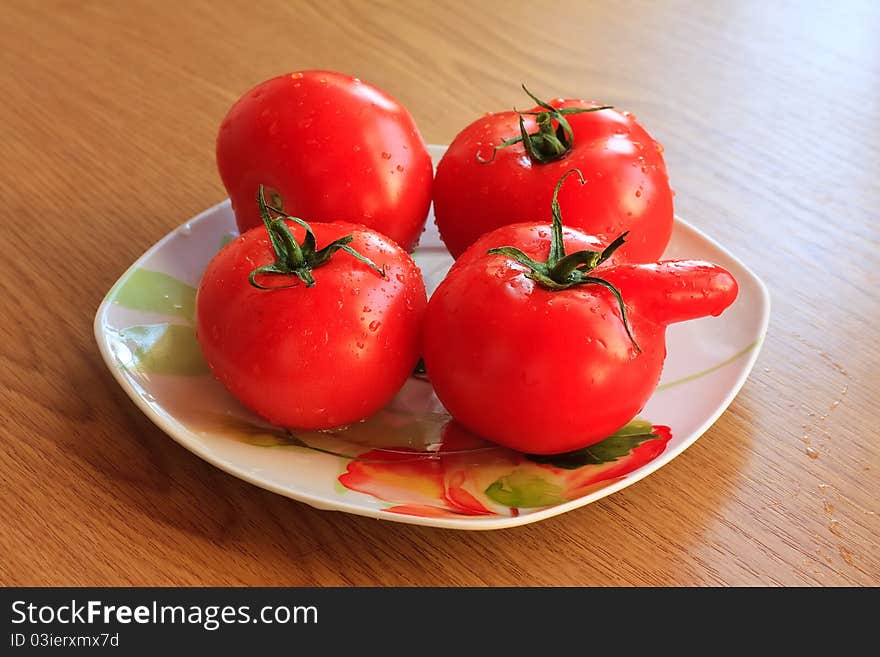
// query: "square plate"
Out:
[408,463]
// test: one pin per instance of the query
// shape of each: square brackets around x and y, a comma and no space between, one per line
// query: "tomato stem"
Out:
[561,271]
[293,258]
[554,137]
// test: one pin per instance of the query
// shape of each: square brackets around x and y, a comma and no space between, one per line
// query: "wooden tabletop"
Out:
[769,113]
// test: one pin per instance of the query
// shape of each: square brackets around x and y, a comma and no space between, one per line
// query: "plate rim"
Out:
[178,432]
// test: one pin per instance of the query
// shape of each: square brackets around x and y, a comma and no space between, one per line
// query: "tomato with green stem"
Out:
[311,326]
[502,169]
[548,351]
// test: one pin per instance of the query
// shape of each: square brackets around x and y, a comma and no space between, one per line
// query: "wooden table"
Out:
[769,113]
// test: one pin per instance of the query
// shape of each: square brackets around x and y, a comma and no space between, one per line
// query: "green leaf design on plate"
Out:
[523,489]
[616,446]
[164,349]
[157,292]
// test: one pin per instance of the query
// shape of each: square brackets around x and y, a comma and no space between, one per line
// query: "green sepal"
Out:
[293,258]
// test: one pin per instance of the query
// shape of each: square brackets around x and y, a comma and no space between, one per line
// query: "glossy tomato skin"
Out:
[334,148]
[627,184]
[546,372]
[312,357]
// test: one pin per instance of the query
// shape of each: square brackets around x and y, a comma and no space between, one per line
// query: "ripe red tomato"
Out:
[334,148]
[532,348]
[331,342]
[478,188]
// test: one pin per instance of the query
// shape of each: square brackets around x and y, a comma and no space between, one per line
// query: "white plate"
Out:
[408,463]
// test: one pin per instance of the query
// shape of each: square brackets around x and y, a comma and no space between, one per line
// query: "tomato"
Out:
[545,352]
[479,187]
[333,147]
[333,338]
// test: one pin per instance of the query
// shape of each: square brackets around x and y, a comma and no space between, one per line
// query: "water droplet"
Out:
[386,155]
[638,193]
[296,76]
[374,325]
[400,167]
[400,278]
[367,309]
[356,148]
[360,345]
[186,229]
[812,452]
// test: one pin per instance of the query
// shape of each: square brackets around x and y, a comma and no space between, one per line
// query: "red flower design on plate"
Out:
[471,477]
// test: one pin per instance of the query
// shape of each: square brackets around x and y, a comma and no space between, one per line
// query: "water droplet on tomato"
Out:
[296,76]
[386,156]
[638,193]
[400,278]
[400,167]
[360,345]
[367,309]
[356,148]
[374,325]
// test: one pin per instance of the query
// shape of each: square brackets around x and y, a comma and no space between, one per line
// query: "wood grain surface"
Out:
[769,112]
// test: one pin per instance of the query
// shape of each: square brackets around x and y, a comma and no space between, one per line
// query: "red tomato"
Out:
[333,147]
[534,351]
[311,356]
[627,189]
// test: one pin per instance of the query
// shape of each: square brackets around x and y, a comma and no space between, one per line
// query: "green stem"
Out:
[554,137]
[293,258]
